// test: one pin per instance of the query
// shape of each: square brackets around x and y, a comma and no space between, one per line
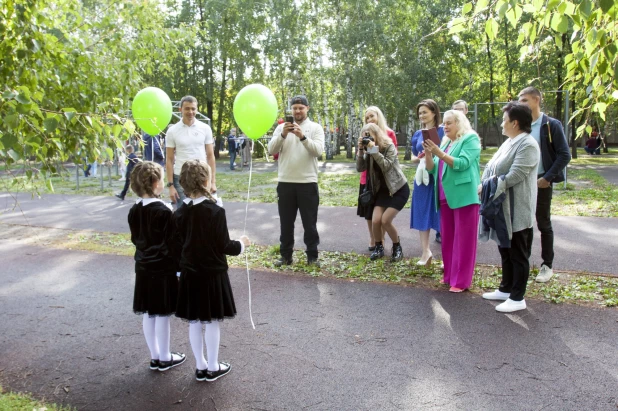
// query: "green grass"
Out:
[587,194]
[578,288]
[11,401]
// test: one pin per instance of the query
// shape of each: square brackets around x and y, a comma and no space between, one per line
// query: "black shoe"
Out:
[397,253]
[314,262]
[378,252]
[166,365]
[224,368]
[371,248]
[283,261]
[120,197]
[438,238]
[154,365]
[200,375]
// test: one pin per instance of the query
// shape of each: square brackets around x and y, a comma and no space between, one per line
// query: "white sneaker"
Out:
[545,274]
[510,306]
[496,296]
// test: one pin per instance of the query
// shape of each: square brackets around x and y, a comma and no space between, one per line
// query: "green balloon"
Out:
[255,110]
[152,110]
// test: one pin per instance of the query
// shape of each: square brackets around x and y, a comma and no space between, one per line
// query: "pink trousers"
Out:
[459,229]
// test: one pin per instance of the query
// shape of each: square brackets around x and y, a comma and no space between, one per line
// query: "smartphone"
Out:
[289,119]
[431,134]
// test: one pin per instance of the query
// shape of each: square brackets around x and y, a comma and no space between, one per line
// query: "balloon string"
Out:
[244,232]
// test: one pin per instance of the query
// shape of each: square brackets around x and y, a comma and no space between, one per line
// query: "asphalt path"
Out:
[583,244]
[69,336]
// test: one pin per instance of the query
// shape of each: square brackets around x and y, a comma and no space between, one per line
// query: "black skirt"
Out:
[362,211]
[397,201]
[205,297]
[156,293]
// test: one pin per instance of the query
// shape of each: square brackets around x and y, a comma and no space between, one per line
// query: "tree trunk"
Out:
[491,82]
[508,60]
[351,119]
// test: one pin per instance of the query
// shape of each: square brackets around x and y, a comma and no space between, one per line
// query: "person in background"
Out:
[189,139]
[153,151]
[231,147]
[423,213]
[373,115]
[460,105]
[555,156]
[513,172]
[299,145]
[122,164]
[455,167]
[387,183]
[133,160]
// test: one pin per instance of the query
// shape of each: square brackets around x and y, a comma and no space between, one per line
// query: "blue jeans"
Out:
[232,158]
[180,190]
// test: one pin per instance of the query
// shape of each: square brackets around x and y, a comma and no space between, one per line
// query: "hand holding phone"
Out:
[431,134]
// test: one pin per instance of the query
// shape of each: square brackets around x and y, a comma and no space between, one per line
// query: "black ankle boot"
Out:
[378,252]
[397,252]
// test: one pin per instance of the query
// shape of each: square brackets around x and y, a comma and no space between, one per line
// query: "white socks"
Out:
[157,333]
[197,344]
[212,336]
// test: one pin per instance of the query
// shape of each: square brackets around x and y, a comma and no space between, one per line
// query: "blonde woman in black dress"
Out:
[205,293]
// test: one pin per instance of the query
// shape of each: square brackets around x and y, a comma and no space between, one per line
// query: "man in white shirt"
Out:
[189,139]
[299,144]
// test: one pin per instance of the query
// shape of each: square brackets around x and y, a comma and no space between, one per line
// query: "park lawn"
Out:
[587,193]
[12,401]
[579,288]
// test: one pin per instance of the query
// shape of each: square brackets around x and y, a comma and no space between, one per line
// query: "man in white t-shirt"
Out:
[299,144]
[189,139]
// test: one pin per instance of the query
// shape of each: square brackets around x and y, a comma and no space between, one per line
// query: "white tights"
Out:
[212,335]
[157,333]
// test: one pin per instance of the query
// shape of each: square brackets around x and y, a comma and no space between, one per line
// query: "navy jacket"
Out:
[231,143]
[148,149]
[555,153]
[492,212]
[133,160]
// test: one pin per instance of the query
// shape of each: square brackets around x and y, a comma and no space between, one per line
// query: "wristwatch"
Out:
[169,184]
[304,138]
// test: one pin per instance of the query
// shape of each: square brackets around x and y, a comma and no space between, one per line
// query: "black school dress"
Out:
[205,292]
[156,263]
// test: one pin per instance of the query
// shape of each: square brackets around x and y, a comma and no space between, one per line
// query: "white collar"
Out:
[146,201]
[195,201]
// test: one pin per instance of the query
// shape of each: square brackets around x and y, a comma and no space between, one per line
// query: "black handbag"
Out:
[366,198]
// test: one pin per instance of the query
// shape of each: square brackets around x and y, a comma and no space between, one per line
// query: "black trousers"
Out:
[127,183]
[516,264]
[543,221]
[294,197]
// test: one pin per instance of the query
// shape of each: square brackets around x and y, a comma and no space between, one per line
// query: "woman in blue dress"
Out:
[424,215]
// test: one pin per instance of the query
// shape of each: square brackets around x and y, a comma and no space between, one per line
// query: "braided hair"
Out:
[144,176]
[193,175]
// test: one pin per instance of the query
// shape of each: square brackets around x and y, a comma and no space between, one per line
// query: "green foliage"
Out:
[67,73]
[589,57]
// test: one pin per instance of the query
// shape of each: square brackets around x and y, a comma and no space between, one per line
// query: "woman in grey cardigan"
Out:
[389,186]
[512,172]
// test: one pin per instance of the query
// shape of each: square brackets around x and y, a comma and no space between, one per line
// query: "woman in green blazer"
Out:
[455,166]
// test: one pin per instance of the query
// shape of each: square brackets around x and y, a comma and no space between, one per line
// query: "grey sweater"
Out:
[516,162]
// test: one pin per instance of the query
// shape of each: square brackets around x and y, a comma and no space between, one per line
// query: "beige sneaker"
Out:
[545,274]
